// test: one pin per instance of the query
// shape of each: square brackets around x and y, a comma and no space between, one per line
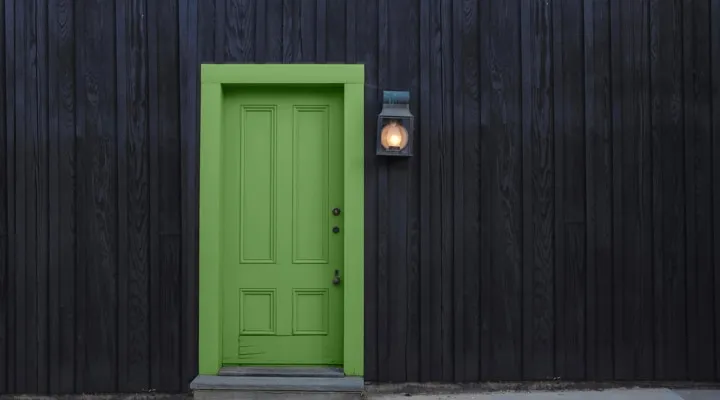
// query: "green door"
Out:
[282,243]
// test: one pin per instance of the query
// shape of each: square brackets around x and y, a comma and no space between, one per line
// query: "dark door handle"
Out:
[336,211]
[336,280]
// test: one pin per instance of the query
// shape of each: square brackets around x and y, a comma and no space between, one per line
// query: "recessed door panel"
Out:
[310,184]
[257,183]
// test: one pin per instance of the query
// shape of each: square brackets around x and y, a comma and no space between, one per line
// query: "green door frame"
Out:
[213,78]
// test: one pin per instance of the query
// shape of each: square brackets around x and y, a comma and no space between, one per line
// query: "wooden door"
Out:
[282,244]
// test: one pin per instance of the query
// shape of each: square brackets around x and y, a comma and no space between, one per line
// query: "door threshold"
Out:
[283,371]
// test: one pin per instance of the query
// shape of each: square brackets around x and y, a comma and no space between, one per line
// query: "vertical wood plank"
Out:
[366,37]
[385,370]
[273,25]
[392,189]
[81,197]
[485,84]
[715,90]
[33,162]
[502,148]
[698,194]
[444,162]
[9,65]
[136,198]
[206,31]
[220,21]
[189,139]
[336,30]
[290,31]
[4,211]
[98,99]
[64,33]
[351,31]
[424,132]
[21,308]
[666,67]
[121,44]
[437,340]
[617,80]
[570,291]
[538,176]
[633,276]
[307,25]
[456,116]
[321,28]
[560,114]
[598,120]
[411,80]
[470,231]
[240,31]
[54,201]
[42,170]
[169,196]
[154,184]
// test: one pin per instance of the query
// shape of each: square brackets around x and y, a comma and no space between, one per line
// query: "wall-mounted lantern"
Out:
[395,125]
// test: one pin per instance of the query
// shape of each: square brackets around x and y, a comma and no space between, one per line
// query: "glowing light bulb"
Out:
[395,137]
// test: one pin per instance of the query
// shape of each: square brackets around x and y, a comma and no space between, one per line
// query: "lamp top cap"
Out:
[396,97]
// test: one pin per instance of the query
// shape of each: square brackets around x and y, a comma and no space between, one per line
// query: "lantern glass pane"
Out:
[394,136]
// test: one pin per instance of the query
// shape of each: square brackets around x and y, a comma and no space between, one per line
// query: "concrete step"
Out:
[207,387]
[280,371]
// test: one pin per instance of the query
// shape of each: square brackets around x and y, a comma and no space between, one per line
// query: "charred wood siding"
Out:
[560,217]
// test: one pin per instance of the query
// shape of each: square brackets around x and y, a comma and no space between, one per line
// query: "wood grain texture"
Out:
[22,380]
[456,189]
[715,124]
[384,213]
[633,187]
[365,51]
[154,184]
[100,199]
[4,190]
[189,140]
[9,144]
[698,193]
[668,182]
[538,192]
[469,147]
[426,356]
[410,78]
[558,219]
[168,287]
[135,182]
[64,34]
[502,154]
[570,184]
[438,338]
[598,150]
[41,176]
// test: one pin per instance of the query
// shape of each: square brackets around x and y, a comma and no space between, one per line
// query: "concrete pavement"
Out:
[610,394]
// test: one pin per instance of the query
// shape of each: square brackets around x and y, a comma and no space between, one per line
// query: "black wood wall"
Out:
[560,219]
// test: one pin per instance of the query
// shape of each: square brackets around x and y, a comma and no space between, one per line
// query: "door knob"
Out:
[336,279]
[336,211]
[336,229]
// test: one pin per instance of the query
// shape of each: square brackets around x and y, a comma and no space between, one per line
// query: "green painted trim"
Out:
[332,74]
[351,78]
[210,329]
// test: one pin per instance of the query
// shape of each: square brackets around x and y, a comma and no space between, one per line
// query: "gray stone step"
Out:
[278,371]
[208,387]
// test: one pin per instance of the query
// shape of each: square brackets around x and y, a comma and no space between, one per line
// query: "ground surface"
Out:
[612,394]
